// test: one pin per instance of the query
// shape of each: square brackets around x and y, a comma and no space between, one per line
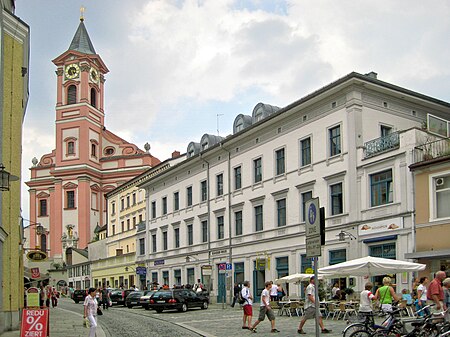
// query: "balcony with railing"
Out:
[381,145]
[141,226]
[432,151]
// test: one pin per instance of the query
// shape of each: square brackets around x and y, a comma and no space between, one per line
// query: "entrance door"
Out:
[258,283]
[221,291]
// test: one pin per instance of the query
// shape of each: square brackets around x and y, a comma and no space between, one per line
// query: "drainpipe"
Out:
[230,255]
[208,204]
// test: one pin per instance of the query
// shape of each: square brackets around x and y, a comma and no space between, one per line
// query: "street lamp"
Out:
[190,258]
[343,235]
[6,178]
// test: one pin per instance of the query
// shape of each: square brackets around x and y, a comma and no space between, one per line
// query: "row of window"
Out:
[83,270]
[69,202]
[129,225]
[125,202]
[70,148]
[381,187]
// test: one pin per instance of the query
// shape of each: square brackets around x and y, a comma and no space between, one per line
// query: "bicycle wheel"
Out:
[383,333]
[349,329]
[360,333]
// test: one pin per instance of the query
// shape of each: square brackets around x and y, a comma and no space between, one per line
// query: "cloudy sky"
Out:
[179,69]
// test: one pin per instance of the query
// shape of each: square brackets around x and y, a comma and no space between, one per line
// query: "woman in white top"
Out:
[422,295]
[90,311]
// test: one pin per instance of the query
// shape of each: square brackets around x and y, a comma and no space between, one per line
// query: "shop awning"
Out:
[428,253]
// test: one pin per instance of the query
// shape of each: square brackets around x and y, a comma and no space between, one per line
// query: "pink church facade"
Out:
[68,185]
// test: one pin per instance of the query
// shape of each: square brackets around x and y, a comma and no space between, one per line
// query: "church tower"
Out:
[68,185]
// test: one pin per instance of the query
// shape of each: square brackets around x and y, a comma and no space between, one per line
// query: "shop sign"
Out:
[37,255]
[158,262]
[33,297]
[387,225]
[35,273]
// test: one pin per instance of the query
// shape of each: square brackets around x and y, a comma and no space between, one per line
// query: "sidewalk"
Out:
[64,323]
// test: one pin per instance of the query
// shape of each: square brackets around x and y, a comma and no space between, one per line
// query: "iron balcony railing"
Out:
[432,150]
[381,145]
[141,226]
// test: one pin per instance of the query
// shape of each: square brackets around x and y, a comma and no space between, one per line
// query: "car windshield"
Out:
[148,292]
[136,294]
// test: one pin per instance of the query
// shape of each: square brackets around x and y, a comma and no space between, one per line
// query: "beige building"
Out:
[431,170]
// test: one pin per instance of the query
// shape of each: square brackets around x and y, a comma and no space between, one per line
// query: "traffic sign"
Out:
[141,270]
[313,246]
[35,323]
[312,217]
[229,266]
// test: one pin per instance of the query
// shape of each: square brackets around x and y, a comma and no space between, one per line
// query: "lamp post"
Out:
[343,235]
[6,178]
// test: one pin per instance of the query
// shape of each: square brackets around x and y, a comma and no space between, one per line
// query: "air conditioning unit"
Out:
[440,181]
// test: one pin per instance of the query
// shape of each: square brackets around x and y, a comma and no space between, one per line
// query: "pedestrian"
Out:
[236,291]
[365,302]
[90,311]
[386,295]
[105,297]
[446,285]
[422,296]
[247,306]
[48,295]
[310,307]
[265,309]
[54,297]
[435,291]
[42,296]
[281,293]
[273,291]
[336,292]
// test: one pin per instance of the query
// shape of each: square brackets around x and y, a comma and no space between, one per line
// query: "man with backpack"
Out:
[236,292]
[247,301]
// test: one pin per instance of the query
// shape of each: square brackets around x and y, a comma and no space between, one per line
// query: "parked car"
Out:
[79,296]
[179,299]
[145,299]
[118,296]
[133,299]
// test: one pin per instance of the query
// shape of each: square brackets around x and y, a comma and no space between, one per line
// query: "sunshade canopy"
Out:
[370,266]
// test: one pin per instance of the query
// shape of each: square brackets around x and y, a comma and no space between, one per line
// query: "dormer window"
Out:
[204,146]
[93,98]
[239,125]
[71,94]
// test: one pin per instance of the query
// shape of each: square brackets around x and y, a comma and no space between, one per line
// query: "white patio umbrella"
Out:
[294,278]
[370,266]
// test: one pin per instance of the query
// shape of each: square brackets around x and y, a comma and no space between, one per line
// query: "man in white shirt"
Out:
[273,292]
[265,309]
[310,307]
[247,306]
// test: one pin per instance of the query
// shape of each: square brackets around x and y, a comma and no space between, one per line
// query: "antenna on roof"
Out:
[218,115]
[82,13]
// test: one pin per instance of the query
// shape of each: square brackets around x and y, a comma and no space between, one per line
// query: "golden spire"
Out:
[82,13]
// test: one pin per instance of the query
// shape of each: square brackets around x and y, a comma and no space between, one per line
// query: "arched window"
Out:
[93,150]
[70,148]
[72,94]
[93,98]
[43,242]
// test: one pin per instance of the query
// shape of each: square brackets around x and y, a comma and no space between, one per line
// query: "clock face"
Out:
[94,75]
[72,70]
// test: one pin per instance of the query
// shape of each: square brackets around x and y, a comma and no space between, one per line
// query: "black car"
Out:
[180,299]
[145,299]
[79,296]
[118,296]
[133,299]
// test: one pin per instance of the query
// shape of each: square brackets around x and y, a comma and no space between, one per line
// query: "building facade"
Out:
[14,69]
[234,210]
[68,185]
[431,168]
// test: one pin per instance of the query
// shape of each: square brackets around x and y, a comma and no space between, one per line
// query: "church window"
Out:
[72,94]
[93,150]
[70,148]
[43,207]
[70,199]
[43,242]
[93,98]
[109,151]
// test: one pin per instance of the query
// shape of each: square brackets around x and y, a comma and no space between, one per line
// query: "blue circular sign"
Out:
[312,213]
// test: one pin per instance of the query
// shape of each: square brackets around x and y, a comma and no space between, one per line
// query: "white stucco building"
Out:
[240,200]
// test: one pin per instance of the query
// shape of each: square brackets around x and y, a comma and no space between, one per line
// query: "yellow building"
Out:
[14,43]
[125,211]
[431,170]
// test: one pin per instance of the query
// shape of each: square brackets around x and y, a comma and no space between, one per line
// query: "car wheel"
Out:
[146,307]
[205,305]
[77,302]
[129,306]
[184,307]
[159,311]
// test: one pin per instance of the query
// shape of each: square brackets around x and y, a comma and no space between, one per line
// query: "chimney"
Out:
[372,74]
[175,154]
